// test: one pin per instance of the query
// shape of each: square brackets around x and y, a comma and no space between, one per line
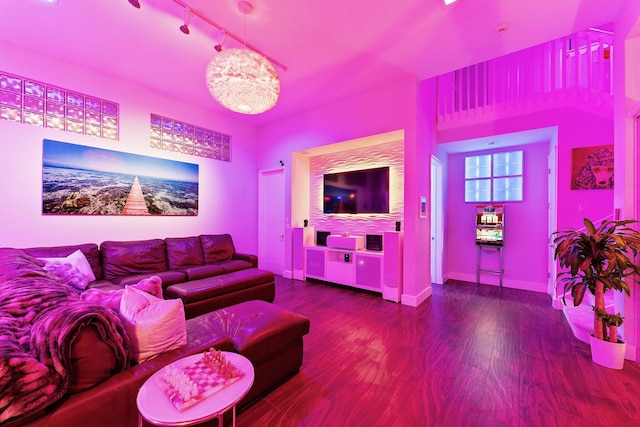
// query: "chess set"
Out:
[187,385]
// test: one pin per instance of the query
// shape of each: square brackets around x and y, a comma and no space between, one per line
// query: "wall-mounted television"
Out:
[356,192]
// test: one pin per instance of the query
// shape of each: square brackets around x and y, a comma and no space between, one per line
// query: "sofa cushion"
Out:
[168,278]
[154,325]
[217,247]
[235,265]
[89,250]
[133,257]
[197,272]
[199,290]
[184,251]
[105,285]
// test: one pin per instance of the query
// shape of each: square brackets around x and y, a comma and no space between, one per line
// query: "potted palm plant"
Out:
[599,260]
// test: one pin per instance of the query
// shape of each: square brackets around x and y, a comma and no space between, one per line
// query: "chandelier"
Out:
[243,81]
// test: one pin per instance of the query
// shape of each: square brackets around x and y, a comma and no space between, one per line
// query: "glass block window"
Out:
[24,100]
[477,167]
[173,135]
[496,177]
[477,190]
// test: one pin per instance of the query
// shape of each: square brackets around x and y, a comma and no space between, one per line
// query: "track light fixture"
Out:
[223,36]
[187,20]
[135,3]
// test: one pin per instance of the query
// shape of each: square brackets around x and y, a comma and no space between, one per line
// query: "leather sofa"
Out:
[100,392]
[204,271]
[270,337]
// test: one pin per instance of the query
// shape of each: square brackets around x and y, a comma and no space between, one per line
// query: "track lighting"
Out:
[223,36]
[135,3]
[187,20]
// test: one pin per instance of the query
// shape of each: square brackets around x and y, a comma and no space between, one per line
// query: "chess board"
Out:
[205,377]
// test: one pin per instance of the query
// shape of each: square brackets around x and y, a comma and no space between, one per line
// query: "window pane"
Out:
[507,189]
[477,167]
[477,190]
[507,164]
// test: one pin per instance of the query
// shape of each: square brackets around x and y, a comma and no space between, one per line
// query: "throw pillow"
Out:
[154,325]
[81,273]
[111,298]
[68,274]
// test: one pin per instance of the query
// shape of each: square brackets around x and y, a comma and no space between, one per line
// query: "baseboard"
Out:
[494,280]
[557,304]
[287,274]
[416,300]
[631,353]
[578,319]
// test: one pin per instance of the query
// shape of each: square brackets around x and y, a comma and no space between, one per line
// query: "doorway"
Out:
[271,223]
[552,183]
[437,213]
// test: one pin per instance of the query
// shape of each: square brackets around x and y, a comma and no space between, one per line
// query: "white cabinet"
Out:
[370,270]
[339,266]
[315,263]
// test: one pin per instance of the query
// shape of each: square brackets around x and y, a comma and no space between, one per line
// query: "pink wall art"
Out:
[592,168]
[83,180]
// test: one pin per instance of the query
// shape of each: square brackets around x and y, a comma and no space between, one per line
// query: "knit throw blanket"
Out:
[39,319]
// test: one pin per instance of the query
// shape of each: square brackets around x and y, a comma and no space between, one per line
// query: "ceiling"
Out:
[330,49]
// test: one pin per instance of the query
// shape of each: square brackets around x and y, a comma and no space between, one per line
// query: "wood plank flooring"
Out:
[469,356]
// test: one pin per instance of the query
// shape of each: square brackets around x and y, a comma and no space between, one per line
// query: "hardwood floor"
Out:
[469,356]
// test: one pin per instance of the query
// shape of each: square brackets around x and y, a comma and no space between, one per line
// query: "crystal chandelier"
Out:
[243,81]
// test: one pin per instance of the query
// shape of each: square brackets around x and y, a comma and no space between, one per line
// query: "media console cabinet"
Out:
[377,271]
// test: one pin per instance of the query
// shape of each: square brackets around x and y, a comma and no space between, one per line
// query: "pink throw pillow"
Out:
[111,299]
[73,269]
[153,325]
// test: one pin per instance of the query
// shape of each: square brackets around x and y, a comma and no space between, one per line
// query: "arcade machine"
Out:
[489,236]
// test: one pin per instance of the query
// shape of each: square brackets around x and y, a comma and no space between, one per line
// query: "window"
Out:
[173,135]
[24,100]
[493,177]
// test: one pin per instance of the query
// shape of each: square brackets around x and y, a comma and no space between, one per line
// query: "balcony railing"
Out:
[576,68]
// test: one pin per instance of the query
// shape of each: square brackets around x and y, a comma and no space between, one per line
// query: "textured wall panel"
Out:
[389,154]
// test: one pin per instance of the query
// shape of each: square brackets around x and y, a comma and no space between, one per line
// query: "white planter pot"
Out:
[607,353]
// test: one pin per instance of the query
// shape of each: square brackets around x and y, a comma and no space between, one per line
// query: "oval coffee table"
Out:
[155,407]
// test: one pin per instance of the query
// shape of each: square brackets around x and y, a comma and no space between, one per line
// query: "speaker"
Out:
[374,242]
[321,237]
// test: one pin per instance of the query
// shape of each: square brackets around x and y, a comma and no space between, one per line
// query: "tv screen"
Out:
[357,192]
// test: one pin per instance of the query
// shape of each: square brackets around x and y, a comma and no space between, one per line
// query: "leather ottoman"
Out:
[212,293]
[268,335]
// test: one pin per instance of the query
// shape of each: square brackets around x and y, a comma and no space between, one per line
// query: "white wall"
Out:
[389,108]
[227,190]
[389,154]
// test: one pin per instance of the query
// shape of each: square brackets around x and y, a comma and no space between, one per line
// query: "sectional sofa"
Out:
[204,271]
[69,360]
